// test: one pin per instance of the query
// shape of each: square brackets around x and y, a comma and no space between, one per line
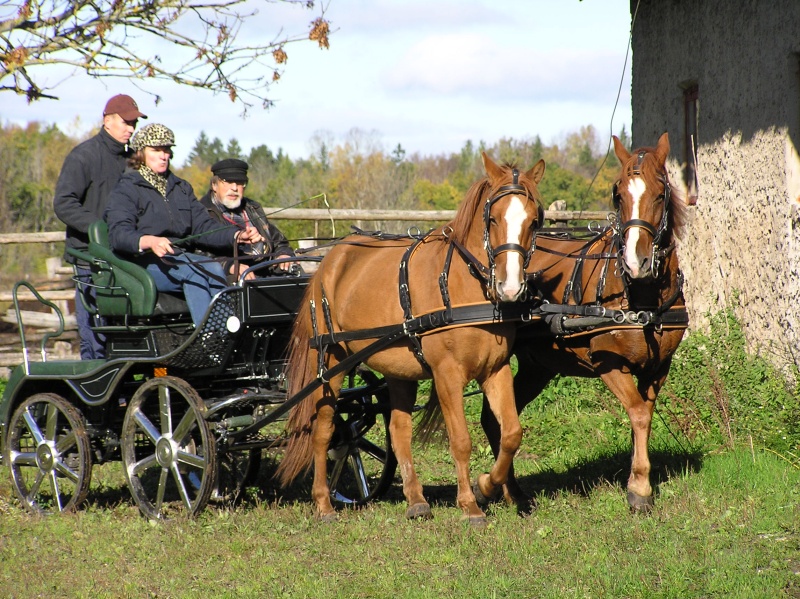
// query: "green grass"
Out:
[726,529]
[724,451]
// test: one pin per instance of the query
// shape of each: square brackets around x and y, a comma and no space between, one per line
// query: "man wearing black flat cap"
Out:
[225,201]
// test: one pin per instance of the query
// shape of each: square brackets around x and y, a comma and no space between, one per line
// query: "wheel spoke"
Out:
[358,472]
[66,442]
[33,427]
[176,474]
[165,409]
[192,459]
[373,450]
[143,464]
[23,459]
[66,471]
[51,425]
[336,472]
[56,493]
[148,428]
[187,424]
[37,483]
[162,488]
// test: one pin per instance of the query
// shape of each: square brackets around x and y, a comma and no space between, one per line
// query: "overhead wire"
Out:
[616,102]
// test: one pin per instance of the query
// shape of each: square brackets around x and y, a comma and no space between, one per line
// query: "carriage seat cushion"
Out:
[124,288]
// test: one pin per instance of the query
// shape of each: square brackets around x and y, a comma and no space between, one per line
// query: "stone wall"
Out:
[742,249]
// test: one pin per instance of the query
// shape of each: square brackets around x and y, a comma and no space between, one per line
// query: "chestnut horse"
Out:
[364,285]
[615,323]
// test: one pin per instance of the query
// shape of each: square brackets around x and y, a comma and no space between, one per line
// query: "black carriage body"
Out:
[218,362]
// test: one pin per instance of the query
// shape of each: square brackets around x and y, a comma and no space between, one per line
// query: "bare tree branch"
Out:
[189,42]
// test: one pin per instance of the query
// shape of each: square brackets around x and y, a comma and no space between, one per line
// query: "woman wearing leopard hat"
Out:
[151,208]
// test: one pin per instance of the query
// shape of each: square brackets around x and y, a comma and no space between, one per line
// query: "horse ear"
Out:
[620,150]
[662,149]
[493,171]
[537,172]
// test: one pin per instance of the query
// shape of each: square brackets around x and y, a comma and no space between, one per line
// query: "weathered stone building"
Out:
[723,78]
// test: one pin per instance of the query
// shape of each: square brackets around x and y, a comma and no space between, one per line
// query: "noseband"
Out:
[657,234]
[514,188]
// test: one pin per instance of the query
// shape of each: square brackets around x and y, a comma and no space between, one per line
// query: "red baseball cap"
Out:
[124,106]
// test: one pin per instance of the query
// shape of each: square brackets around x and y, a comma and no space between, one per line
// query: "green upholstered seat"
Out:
[123,288]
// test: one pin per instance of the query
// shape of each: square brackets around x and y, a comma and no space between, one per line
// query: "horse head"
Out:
[642,201]
[512,213]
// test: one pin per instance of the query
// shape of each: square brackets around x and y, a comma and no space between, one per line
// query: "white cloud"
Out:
[474,64]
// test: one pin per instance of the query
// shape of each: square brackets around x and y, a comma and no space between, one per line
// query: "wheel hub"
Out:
[45,457]
[165,452]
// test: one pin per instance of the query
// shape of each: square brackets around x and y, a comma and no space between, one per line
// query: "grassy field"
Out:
[724,448]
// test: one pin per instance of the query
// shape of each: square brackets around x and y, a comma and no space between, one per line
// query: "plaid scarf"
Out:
[239,218]
[154,179]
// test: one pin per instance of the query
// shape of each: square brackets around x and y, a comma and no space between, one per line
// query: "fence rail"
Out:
[320,215]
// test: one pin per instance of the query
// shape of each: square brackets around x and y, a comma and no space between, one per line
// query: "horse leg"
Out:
[403,396]
[529,381]
[322,432]
[639,403]
[498,391]
[450,390]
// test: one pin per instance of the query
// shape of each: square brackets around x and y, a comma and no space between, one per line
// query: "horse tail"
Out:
[299,373]
[432,420]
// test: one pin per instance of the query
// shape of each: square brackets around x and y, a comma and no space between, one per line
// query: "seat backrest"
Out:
[123,288]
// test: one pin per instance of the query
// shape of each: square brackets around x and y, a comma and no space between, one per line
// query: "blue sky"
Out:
[426,74]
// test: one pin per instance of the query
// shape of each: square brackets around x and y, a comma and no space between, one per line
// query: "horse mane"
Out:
[461,225]
[471,207]
[654,176]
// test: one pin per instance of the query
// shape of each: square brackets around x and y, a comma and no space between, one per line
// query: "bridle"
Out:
[513,188]
[657,253]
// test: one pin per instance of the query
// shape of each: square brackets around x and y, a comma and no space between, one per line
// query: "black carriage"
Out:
[187,410]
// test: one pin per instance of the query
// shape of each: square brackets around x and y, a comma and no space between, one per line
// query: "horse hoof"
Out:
[478,522]
[482,499]
[640,504]
[419,511]
[328,518]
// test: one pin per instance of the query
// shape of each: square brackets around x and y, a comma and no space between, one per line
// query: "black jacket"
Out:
[276,244]
[88,175]
[135,208]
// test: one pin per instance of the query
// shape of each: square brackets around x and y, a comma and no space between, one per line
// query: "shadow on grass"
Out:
[584,477]
[580,479]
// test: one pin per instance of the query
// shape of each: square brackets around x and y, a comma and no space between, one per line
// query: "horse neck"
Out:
[614,290]
[648,294]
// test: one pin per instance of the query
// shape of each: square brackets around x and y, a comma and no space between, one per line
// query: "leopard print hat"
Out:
[153,135]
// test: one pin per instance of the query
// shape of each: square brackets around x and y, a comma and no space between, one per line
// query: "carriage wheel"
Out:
[168,450]
[48,451]
[361,463]
[236,470]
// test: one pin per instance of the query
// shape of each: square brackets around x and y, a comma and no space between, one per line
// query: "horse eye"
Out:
[492,220]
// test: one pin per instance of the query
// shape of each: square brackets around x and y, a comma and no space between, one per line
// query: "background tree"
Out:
[188,42]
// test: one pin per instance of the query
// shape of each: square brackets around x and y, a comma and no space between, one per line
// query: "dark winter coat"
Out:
[88,175]
[136,208]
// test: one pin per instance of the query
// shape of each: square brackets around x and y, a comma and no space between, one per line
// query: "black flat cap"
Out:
[231,169]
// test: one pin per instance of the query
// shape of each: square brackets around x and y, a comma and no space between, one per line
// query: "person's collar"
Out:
[115,146]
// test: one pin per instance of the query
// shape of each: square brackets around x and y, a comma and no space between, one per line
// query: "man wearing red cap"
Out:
[89,173]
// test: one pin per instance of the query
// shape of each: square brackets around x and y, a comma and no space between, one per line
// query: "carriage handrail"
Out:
[47,336]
